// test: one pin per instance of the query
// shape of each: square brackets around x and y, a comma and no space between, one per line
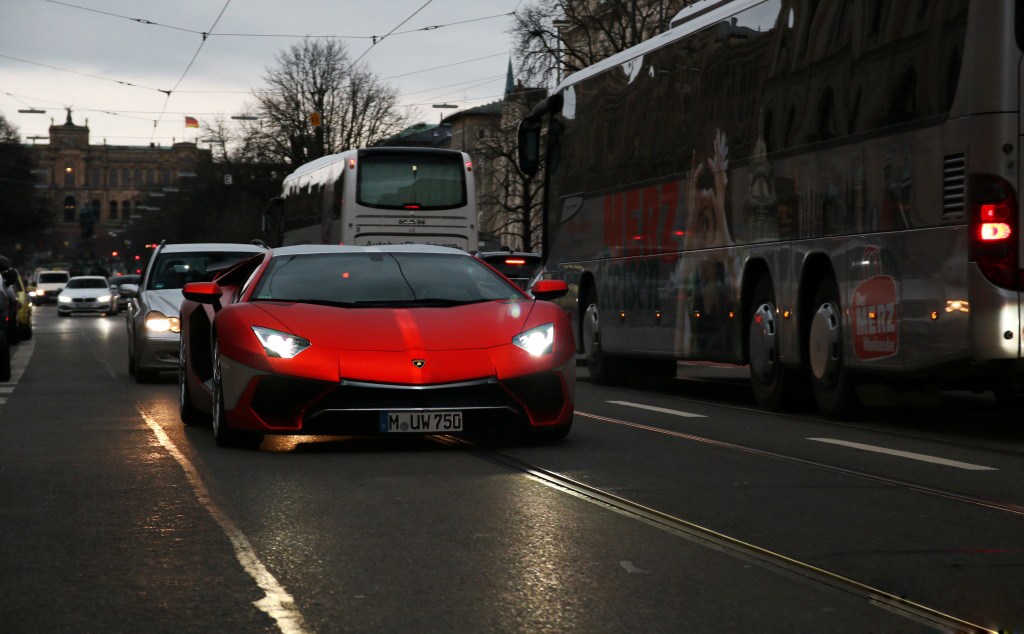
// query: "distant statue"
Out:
[86,221]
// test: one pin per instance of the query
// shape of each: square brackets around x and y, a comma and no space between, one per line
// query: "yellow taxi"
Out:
[23,326]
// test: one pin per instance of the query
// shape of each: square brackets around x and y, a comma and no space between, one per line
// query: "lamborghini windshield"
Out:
[373,279]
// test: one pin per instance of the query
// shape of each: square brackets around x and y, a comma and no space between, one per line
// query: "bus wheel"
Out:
[766,372]
[601,367]
[831,381]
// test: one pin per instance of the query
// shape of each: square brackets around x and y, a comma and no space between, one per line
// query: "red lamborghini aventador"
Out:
[373,341]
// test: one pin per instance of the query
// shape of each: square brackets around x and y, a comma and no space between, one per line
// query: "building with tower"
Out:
[97,191]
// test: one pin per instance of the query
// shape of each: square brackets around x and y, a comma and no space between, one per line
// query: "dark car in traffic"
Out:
[117,281]
[520,267]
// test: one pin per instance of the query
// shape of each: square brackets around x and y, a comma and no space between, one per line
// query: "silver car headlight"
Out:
[64,299]
[158,322]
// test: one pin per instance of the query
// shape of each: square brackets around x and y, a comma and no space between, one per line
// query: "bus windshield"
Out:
[411,181]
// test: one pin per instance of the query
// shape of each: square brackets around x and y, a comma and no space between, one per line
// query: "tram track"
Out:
[834,423]
[1008,507]
[716,540]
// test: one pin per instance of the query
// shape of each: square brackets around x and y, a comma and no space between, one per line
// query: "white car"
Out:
[86,294]
[48,285]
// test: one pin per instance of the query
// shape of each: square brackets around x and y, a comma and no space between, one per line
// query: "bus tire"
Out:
[772,384]
[832,382]
[602,368]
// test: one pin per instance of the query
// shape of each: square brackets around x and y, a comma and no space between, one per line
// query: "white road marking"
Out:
[19,361]
[906,454]
[277,603]
[663,410]
[630,568]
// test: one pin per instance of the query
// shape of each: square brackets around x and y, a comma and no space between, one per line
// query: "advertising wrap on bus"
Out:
[825,195]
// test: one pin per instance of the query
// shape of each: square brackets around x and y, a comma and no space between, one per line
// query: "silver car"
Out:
[154,304]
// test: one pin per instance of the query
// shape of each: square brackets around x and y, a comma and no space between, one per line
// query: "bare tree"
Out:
[22,209]
[317,76]
[512,198]
[592,31]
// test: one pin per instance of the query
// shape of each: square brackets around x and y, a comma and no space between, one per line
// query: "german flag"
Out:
[191,122]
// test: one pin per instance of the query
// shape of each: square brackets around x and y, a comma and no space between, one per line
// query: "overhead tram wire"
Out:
[207,34]
[377,41]
[187,68]
[67,70]
[130,113]
[288,35]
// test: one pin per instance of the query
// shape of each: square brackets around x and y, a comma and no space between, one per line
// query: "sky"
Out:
[111,61]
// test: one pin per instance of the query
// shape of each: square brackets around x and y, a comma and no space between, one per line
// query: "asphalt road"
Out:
[674,506]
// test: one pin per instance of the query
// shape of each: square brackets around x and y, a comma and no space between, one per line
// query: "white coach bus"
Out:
[375,196]
[825,191]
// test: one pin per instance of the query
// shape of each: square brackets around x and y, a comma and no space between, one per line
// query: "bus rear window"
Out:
[411,181]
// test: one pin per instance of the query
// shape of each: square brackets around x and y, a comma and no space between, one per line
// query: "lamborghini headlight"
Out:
[158,322]
[280,344]
[537,341]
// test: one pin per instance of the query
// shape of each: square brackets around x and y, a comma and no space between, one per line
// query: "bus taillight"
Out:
[995,231]
[993,227]
[351,163]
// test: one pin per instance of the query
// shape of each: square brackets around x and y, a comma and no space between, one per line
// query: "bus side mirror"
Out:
[529,146]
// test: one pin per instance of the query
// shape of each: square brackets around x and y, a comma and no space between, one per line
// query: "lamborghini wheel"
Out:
[222,432]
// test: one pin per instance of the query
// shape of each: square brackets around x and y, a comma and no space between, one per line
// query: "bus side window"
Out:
[339,196]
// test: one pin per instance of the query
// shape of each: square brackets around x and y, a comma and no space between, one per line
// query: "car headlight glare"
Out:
[280,344]
[158,322]
[64,299]
[103,298]
[537,341]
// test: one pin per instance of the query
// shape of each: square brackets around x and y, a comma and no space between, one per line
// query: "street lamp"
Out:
[443,105]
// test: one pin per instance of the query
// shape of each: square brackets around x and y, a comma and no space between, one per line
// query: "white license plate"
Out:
[420,422]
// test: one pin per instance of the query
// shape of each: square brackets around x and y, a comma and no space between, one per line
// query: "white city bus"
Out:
[387,195]
[826,191]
